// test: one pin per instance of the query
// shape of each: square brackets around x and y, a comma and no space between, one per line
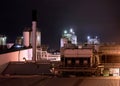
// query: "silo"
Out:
[38,40]
[3,41]
[19,40]
[63,41]
[26,37]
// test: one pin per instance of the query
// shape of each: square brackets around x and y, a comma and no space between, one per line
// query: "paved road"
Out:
[58,81]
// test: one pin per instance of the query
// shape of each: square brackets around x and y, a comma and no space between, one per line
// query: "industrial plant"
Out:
[91,58]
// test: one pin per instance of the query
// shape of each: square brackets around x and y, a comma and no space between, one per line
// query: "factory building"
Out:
[93,40]
[105,58]
[110,59]
[68,37]
[77,57]
[73,54]
[90,57]
[93,58]
[110,53]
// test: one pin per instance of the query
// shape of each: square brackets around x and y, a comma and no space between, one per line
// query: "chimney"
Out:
[34,36]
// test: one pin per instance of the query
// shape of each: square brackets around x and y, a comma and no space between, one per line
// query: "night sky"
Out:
[86,17]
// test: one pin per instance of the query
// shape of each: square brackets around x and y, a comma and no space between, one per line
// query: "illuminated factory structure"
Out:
[94,40]
[27,48]
[89,58]
[75,57]
[68,37]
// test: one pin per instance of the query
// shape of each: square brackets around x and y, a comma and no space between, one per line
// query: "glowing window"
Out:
[85,62]
[69,61]
[77,61]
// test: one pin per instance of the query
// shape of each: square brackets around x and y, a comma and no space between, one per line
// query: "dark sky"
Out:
[86,17]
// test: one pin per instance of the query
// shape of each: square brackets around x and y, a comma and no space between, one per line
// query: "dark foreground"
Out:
[37,80]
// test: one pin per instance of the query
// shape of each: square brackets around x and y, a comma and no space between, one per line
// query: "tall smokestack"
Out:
[34,36]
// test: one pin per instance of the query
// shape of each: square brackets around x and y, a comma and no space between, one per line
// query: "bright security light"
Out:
[65,31]
[96,37]
[18,46]
[88,37]
[71,30]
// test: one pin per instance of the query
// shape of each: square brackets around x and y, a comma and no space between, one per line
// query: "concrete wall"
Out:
[25,54]
[14,56]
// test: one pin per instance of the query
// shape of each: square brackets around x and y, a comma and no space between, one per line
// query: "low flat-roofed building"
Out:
[109,53]
[77,57]
[14,55]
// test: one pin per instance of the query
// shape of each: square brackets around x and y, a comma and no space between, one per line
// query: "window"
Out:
[85,62]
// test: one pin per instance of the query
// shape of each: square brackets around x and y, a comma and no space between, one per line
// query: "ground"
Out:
[37,80]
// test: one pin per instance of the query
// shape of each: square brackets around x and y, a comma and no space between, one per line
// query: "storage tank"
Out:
[38,40]
[26,37]
[63,41]
[3,41]
[19,40]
